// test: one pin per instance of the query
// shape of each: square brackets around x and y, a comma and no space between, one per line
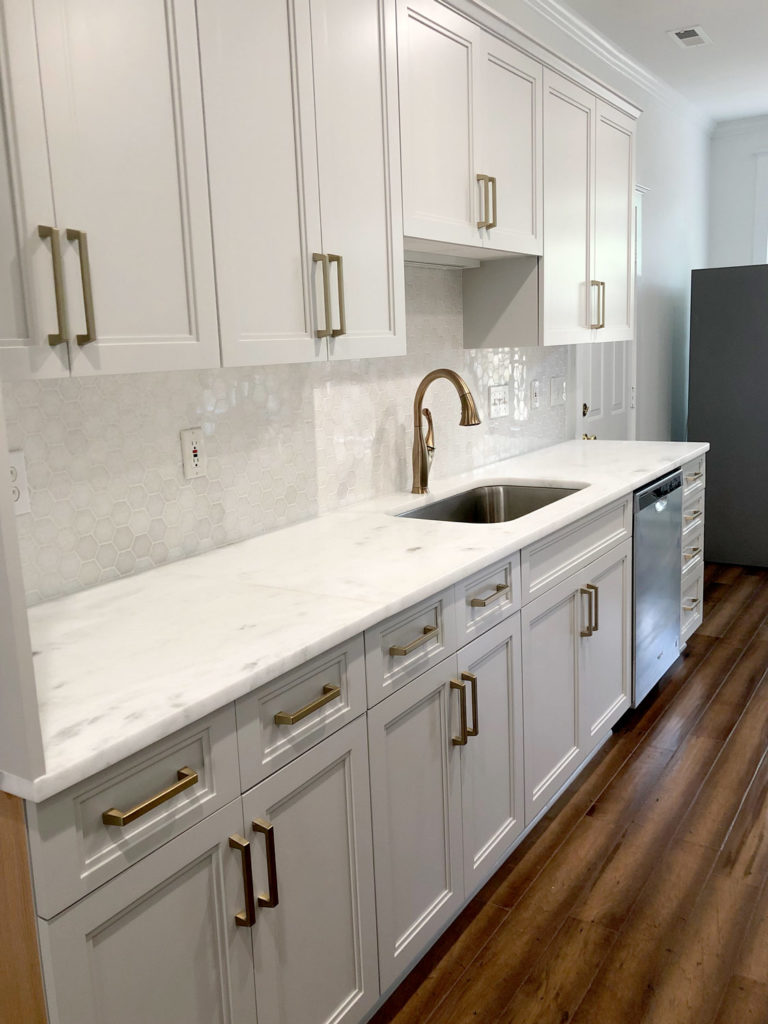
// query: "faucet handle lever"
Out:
[429,440]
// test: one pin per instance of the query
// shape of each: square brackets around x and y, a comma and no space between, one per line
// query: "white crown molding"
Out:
[740,126]
[607,51]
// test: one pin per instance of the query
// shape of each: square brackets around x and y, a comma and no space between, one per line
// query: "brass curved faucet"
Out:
[422,454]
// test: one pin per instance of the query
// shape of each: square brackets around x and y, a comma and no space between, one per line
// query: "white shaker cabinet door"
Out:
[315,950]
[416,803]
[509,145]
[159,943]
[614,221]
[358,152]
[258,89]
[492,794]
[124,119]
[570,301]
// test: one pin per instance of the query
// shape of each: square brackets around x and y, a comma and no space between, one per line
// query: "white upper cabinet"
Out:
[471,135]
[301,115]
[588,265]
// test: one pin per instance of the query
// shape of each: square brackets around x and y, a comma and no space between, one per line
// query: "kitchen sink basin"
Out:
[491,503]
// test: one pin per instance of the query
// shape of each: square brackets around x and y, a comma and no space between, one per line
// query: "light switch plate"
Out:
[498,400]
[19,485]
[557,390]
[535,394]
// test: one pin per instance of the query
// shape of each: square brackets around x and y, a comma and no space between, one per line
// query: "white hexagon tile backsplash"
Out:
[284,443]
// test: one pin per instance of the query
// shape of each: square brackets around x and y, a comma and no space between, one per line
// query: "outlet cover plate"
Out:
[19,485]
[557,390]
[498,400]
[193,453]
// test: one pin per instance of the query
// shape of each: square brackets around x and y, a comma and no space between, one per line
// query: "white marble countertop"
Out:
[123,665]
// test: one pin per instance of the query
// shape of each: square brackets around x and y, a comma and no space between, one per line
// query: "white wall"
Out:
[738,197]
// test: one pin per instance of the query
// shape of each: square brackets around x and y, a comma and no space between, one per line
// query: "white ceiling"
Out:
[725,80]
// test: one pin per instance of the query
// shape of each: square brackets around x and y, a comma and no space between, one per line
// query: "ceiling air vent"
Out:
[686,37]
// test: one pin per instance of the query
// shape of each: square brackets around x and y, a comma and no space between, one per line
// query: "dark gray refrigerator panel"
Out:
[728,406]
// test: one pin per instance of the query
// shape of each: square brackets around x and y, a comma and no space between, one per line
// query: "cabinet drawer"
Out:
[404,645]
[692,603]
[694,476]
[320,697]
[487,597]
[72,849]
[693,551]
[552,559]
[693,513]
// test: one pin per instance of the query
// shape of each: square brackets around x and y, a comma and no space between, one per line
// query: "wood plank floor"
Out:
[642,896]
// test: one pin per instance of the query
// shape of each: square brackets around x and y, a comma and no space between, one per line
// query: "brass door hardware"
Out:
[596,624]
[693,605]
[589,437]
[342,328]
[693,477]
[330,692]
[483,602]
[600,304]
[584,409]
[321,257]
[470,678]
[187,777]
[494,211]
[85,273]
[692,553]
[484,223]
[400,652]
[270,898]
[46,231]
[461,739]
[588,594]
[691,516]
[245,918]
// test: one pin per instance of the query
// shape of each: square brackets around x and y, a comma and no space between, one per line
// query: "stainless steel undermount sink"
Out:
[491,503]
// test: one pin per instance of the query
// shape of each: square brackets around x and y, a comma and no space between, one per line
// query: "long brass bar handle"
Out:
[596,284]
[400,652]
[461,739]
[693,605]
[330,692]
[484,223]
[320,257]
[85,273]
[270,899]
[588,594]
[603,319]
[245,918]
[693,477]
[494,208]
[596,624]
[471,678]
[688,555]
[483,602]
[46,231]
[187,777]
[690,516]
[342,328]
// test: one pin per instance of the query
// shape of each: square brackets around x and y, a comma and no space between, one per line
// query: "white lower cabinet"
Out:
[158,944]
[576,671]
[315,950]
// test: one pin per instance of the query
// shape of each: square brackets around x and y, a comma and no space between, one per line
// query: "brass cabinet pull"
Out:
[46,231]
[693,605]
[270,899]
[602,315]
[595,626]
[484,223]
[494,210]
[85,273]
[694,514]
[688,555]
[187,777]
[320,257]
[483,602]
[461,739]
[342,328]
[693,477]
[400,652]
[588,594]
[600,285]
[471,678]
[330,692]
[245,918]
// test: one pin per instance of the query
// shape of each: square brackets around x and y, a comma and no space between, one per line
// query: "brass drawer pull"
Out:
[688,555]
[461,739]
[270,899]
[694,477]
[400,652]
[484,223]
[588,594]
[85,273]
[693,605]
[596,624]
[320,257]
[494,209]
[245,918]
[46,231]
[187,777]
[483,602]
[330,692]
[471,678]
[694,514]
[342,328]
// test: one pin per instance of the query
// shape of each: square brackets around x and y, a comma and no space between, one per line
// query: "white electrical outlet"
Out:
[498,400]
[557,390]
[535,394]
[19,485]
[193,453]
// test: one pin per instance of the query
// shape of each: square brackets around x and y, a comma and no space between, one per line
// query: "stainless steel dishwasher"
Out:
[657,538]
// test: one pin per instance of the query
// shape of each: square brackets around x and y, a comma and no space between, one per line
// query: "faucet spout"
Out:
[469,418]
